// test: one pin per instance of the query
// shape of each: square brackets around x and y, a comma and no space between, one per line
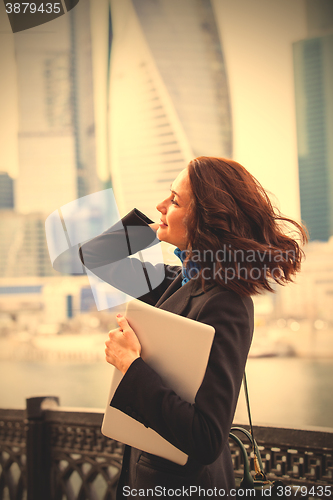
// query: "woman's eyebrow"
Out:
[174,192]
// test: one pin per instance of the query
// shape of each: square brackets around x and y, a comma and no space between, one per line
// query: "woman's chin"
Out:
[159,234]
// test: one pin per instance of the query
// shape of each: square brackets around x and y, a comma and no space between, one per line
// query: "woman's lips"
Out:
[163,224]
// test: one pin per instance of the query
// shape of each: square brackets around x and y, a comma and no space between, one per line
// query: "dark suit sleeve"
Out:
[201,429]
[125,238]
[108,257]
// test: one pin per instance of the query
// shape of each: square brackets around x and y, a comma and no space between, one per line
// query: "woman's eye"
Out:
[173,201]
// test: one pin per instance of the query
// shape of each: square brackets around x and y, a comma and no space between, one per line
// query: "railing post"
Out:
[38,449]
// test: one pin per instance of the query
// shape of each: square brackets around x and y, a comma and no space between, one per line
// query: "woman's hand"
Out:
[123,347]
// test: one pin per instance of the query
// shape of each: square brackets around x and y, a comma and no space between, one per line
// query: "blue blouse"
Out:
[191,270]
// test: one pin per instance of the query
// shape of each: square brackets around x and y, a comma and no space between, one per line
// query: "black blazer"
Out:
[200,429]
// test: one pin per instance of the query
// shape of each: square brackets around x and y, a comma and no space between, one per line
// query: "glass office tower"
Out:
[313,60]
[169,99]
[313,71]
[56,116]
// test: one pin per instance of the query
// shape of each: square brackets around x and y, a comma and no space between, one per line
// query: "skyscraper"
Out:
[56,119]
[169,99]
[313,65]
[6,191]
[23,250]
[56,136]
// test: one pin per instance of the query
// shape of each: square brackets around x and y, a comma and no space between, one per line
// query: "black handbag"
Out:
[257,481]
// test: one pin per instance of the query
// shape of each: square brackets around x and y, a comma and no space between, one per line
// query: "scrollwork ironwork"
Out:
[12,458]
[85,465]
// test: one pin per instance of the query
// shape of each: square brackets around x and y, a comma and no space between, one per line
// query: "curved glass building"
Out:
[169,99]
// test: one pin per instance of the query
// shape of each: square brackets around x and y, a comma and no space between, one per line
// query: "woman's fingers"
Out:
[111,332]
[129,338]
[123,346]
[122,322]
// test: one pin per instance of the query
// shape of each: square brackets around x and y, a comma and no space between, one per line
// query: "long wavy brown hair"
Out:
[236,238]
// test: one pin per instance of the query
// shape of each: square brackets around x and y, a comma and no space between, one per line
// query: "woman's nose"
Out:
[161,207]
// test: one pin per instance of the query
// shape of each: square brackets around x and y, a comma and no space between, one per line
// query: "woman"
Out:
[232,245]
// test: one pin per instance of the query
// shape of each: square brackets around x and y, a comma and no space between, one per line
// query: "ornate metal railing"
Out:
[52,453]
[12,455]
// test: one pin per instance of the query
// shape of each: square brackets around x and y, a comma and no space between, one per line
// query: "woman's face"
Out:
[174,211]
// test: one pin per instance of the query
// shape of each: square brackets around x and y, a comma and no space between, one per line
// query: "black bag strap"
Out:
[259,481]
[259,473]
[248,403]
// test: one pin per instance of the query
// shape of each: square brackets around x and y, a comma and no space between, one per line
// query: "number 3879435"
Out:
[32,8]
[303,491]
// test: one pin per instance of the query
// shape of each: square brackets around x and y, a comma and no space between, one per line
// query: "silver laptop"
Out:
[178,349]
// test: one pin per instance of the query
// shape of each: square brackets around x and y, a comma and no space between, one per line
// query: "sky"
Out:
[257,37]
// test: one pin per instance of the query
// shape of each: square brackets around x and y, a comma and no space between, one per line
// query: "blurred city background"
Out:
[123,94]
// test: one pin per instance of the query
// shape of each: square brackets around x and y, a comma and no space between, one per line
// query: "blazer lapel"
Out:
[172,288]
[176,296]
